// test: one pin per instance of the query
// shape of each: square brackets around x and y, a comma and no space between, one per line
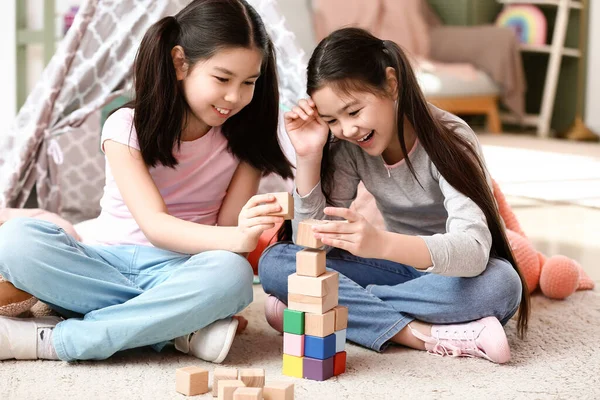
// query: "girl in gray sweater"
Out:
[441,277]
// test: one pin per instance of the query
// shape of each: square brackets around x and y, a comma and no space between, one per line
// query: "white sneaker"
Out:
[18,336]
[211,343]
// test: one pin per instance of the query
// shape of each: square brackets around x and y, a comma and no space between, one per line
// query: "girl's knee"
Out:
[506,287]
[236,274]
[19,241]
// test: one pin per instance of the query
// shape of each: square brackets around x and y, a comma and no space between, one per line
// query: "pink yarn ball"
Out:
[559,277]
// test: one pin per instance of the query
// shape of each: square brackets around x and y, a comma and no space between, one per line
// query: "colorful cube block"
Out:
[340,340]
[321,348]
[310,262]
[293,321]
[318,370]
[292,366]
[320,325]
[339,363]
[293,344]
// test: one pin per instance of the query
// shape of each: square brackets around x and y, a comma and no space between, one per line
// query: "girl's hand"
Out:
[307,131]
[253,220]
[355,235]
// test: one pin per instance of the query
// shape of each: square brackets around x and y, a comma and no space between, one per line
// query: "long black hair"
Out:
[353,59]
[203,28]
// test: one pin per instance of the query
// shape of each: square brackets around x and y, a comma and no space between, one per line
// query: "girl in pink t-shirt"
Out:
[179,209]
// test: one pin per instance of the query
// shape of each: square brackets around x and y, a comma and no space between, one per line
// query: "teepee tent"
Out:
[54,142]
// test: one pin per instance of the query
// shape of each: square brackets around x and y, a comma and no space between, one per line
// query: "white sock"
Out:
[45,348]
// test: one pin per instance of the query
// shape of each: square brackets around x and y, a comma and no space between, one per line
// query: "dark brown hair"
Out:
[352,59]
[203,28]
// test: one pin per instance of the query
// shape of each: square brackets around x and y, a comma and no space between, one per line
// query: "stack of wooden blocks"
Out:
[228,385]
[314,326]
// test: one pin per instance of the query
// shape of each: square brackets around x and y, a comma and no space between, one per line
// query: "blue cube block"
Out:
[318,347]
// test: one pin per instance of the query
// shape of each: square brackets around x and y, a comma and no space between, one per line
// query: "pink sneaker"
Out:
[274,312]
[484,338]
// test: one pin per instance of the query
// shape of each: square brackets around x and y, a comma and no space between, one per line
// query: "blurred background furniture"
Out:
[462,69]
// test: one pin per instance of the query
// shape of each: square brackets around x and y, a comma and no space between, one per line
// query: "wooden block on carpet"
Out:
[253,377]
[223,374]
[278,391]
[191,381]
[248,393]
[228,387]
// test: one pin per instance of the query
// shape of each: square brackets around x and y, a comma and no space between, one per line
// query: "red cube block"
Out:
[339,363]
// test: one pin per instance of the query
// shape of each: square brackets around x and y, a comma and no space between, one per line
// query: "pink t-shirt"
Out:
[193,191]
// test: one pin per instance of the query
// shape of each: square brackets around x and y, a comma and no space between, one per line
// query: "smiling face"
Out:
[217,88]
[363,118]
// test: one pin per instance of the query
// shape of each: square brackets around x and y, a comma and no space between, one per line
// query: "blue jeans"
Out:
[125,296]
[383,296]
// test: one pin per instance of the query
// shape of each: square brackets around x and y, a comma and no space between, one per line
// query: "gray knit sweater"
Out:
[452,225]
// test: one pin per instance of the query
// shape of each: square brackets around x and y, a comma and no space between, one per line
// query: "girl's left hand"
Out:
[355,235]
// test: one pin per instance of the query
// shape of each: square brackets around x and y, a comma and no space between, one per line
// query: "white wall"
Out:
[8,98]
[592,108]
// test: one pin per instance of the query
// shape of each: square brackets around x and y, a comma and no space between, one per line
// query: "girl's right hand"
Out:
[254,219]
[307,131]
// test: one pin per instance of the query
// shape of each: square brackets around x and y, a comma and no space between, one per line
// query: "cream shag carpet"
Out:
[560,359]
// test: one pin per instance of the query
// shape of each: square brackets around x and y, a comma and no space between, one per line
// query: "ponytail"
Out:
[159,104]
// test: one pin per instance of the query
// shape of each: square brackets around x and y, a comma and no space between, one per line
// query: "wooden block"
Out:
[227,388]
[320,325]
[293,321]
[191,381]
[318,347]
[222,374]
[253,377]
[306,236]
[340,341]
[317,287]
[279,391]
[286,201]
[311,304]
[341,317]
[292,366]
[310,262]
[317,370]
[248,393]
[293,344]
[339,363]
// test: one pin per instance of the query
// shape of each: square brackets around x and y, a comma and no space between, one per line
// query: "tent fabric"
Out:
[54,141]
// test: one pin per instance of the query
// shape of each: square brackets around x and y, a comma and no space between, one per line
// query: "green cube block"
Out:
[293,321]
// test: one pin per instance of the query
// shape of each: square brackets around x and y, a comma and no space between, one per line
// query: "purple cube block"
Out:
[317,370]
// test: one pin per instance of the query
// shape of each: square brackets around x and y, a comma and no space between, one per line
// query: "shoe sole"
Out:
[228,341]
